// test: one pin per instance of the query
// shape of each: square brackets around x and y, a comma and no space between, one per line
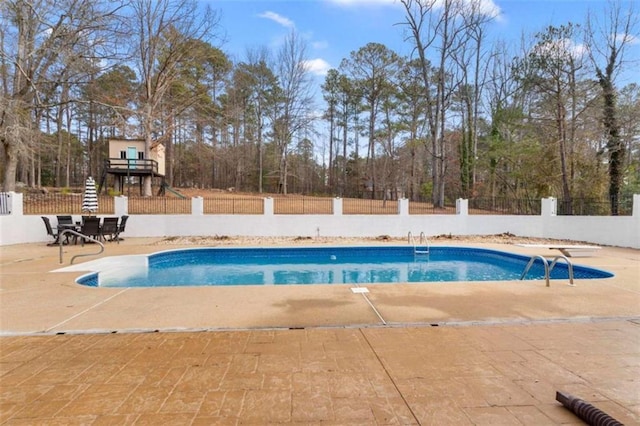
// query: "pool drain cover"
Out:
[359,289]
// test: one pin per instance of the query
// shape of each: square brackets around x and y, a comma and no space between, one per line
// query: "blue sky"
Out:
[334,28]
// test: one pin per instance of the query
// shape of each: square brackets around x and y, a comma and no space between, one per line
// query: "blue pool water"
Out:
[324,265]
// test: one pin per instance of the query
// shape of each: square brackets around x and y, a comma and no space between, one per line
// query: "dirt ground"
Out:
[220,193]
[224,240]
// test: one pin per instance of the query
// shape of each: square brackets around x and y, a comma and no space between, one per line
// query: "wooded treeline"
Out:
[464,116]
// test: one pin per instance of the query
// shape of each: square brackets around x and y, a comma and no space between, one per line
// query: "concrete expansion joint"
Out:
[632,319]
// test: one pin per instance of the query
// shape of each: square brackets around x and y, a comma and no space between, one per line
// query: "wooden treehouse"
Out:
[128,165]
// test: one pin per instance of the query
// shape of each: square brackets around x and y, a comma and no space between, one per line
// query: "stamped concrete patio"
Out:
[451,353]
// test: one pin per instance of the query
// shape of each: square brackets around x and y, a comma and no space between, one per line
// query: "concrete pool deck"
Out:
[314,354]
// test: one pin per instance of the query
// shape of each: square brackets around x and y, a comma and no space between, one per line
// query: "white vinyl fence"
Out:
[622,231]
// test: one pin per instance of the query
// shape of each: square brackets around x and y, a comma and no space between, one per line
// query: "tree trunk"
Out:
[343,187]
[168,153]
[331,130]
[260,156]
[60,145]
[148,128]
[562,144]
[615,146]
[371,153]
[10,164]
[90,149]
[283,171]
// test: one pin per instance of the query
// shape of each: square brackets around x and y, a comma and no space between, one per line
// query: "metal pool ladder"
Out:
[549,267]
[422,246]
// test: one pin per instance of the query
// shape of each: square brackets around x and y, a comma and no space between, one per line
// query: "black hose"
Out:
[587,412]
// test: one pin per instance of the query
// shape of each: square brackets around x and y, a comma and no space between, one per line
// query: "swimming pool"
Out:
[222,266]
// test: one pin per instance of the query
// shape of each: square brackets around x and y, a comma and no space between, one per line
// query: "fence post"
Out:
[549,207]
[462,207]
[635,209]
[268,206]
[403,207]
[197,206]
[121,205]
[337,206]
[16,201]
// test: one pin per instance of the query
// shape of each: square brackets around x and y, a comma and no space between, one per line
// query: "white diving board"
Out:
[566,249]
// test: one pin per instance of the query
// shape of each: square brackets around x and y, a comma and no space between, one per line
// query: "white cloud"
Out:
[317,66]
[319,44]
[561,48]
[627,38]
[488,8]
[275,17]
[484,7]
[578,50]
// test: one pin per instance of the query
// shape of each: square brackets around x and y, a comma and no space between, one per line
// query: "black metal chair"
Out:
[50,231]
[121,227]
[64,220]
[90,228]
[109,228]
[64,223]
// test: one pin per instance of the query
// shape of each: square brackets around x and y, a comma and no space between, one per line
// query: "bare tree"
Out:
[331,93]
[263,87]
[162,31]
[554,64]
[504,99]
[34,36]
[412,107]
[470,58]
[293,116]
[432,25]
[608,41]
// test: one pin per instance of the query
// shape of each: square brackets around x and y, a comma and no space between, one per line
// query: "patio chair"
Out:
[64,223]
[121,227]
[109,228]
[90,228]
[64,220]
[50,231]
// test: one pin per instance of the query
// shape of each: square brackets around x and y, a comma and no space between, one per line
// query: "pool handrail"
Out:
[549,267]
[78,234]
[569,267]
[530,264]
[423,241]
